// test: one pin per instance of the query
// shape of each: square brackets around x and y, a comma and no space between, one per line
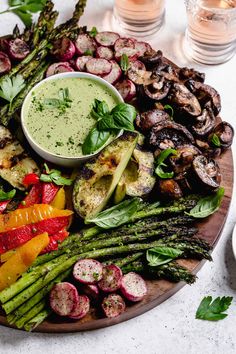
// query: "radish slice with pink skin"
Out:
[81,62]
[18,49]
[81,309]
[64,298]
[107,39]
[88,271]
[113,305]
[142,48]
[125,46]
[127,89]
[58,68]
[115,73]
[111,278]
[104,53]
[64,49]
[85,43]
[98,66]
[5,63]
[91,290]
[133,287]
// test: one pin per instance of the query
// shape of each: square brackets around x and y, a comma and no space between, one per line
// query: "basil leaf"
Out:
[94,141]
[100,108]
[164,175]
[106,123]
[51,103]
[116,215]
[55,177]
[164,154]
[162,255]
[93,32]
[160,163]
[213,310]
[124,62]
[215,140]
[124,115]
[7,195]
[207,205]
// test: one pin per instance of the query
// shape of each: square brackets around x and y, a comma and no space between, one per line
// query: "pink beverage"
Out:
[211,31]
[140,17]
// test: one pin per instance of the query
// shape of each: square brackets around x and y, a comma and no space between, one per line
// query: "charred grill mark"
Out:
[5,141]
[14,160]
[87,173]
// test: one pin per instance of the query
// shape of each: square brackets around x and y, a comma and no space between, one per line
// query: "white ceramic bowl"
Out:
[47,155]
[234,241]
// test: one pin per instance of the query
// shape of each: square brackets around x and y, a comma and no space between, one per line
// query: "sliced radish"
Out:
[64,49]
[84,43]
[81,62]
[115,73]
[127,89]
[133,287]
[125,46]
[142,48]
[88,271]
[111,278]
[64,298]
[98,66]
[5,63]
[104,52]
[91,290]
[136,65]
[113,305]
[58,68]
[81,309]
[18,49]
[107,39]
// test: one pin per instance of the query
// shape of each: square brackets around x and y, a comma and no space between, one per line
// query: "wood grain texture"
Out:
[158,290]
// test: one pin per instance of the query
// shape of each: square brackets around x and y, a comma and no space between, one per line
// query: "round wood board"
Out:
[158,290]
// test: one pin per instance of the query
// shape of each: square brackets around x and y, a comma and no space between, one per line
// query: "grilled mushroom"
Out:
[151,59]
[182,160]
[204,123]
[184,99]
[146,120]
[186,74]
[206,172]
[170,189]
[225,133]
[158,89]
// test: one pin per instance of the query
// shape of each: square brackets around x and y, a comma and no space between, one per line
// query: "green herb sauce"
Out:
[63,132]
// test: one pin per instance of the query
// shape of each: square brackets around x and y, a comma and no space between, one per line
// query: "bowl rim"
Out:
[61,76]
[234,241]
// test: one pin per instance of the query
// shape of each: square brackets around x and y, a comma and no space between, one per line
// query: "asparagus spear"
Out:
[36,320]
[31,314]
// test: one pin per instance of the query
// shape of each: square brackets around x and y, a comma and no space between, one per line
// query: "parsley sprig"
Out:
[61,103]
[10,87]
[7,195]
[213,310]
[55,177]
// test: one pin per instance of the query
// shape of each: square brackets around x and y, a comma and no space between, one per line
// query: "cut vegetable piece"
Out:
[18,49]
[5,63]
[88,271]
[81,309]
[107,39]
[125,46]
[3,205]
[133,287]
[98,66]
[113,305]
[91,290]
[63,49]
[104,52]
[111,278]
[142,47]
[55,240]
[58,68]
[49,191]
[59,201]
[115,73]
[84,43]
[97,179]
[81,62]
[136,65]
[33,197]
[127,89]
[22,260]
[120,192]
[64,298]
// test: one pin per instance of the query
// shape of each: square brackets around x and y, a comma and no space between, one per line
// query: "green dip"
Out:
[63,132]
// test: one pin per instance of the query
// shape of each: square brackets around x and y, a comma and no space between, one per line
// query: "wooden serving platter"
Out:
[158,290]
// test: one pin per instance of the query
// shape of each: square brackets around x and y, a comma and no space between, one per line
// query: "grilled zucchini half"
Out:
[98,178]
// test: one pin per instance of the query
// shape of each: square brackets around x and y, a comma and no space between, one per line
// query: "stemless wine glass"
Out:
[140,17]
[211,31]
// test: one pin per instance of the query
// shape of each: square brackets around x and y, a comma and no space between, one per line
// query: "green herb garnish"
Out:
[215,140]
[10,87]
[170,108]
[160,163]
[88,52]
[61,103]
[93,32]
[162,255]
[124,62]
[55,177]
[94,141]
[213,310]
[7,195]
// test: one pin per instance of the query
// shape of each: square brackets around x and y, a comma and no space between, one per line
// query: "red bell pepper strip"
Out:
[3,205]
[33,197]
[30,179]
[49,191]
[16,237]
[55,240]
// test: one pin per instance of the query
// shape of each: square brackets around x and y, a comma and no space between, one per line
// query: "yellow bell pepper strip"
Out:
[31,215]
[24,257]
[59,201]
[5,256]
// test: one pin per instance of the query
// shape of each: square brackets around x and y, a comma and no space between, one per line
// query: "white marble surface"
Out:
[171,327]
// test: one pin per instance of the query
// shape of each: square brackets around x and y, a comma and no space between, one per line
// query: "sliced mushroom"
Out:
[140,76]
[225,133]
[186,74]
[158,89]
[204,123]
[146,120]
[205,93]
[169,134]
[184,99]
[151,59]
[182,160]
[170,189]
[183,181]
[206,172]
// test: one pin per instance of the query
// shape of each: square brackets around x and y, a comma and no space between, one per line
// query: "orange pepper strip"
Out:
[31,215]
[22,259]
[5,256]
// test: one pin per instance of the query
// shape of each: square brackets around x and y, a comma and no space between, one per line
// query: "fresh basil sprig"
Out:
[207,205]
[116,215]
[55,177]
[93,32]
[213,310]
[95,140]
[10,87]
[161,255]
[7,195]
[61,103]
[160,163]
[124,62]
[215,140]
